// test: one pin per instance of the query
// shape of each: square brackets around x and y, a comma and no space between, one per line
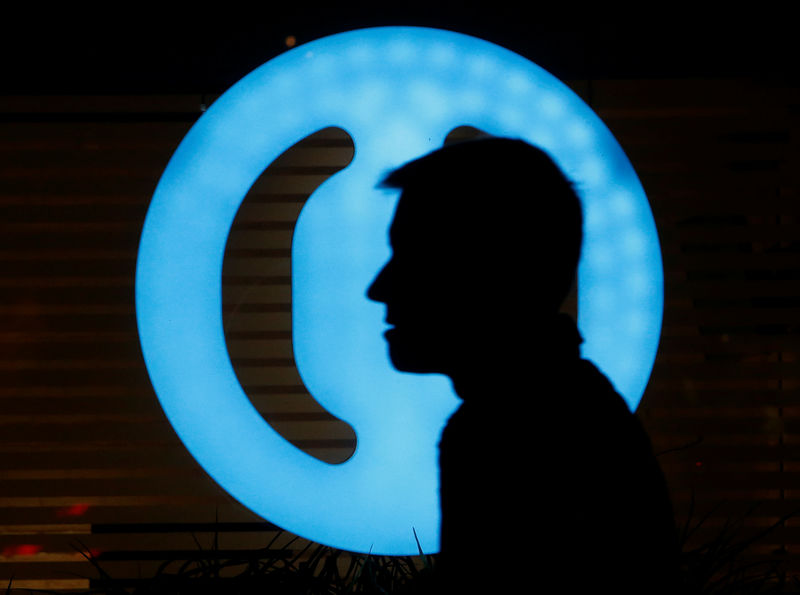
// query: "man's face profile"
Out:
[485,240]
[421,294]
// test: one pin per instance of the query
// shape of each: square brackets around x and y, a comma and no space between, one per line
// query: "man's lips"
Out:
[390,330]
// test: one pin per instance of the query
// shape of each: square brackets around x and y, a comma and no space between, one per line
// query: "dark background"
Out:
[92,105]
[205,51]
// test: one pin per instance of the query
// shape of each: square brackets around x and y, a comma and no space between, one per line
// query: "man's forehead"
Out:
[419,215]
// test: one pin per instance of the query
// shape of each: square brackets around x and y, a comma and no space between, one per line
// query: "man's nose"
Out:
[378,290]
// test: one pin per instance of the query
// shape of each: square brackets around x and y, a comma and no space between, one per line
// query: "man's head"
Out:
[486,239]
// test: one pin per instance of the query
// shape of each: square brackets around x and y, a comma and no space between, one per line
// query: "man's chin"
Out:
[406,358]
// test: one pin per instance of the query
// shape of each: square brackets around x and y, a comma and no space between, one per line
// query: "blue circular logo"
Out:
[397,91]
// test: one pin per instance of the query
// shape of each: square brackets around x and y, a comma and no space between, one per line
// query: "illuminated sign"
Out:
[397,91]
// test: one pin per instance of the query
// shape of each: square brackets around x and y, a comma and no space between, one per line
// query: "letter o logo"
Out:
[397,91]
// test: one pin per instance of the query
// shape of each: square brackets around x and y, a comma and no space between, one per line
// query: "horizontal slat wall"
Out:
[256,295]
[85,445]
[87,454]
[719,161]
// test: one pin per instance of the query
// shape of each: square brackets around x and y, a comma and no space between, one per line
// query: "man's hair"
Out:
[502,198]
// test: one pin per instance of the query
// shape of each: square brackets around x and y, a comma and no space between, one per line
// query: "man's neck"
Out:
[549,349]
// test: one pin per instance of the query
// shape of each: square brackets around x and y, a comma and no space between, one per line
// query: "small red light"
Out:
[698,464]
[25,549]
[74,510]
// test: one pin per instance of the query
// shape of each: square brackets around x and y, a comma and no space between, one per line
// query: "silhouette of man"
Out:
[547,481]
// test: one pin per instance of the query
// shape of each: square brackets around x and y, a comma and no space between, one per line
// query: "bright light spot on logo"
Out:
[594,216]
[622,204]
[442,54]
[552,105]
[518,82]
[472,101]
[635,243]
[480,66]
[360,54]
[579,133]
[639,284]
[388,488]
[401,50]
[600,256]
[428,99]
[637,322]
[511,118]
[592,171]
[604,299]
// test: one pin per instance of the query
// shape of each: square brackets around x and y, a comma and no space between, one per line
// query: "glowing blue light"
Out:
[398,91]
